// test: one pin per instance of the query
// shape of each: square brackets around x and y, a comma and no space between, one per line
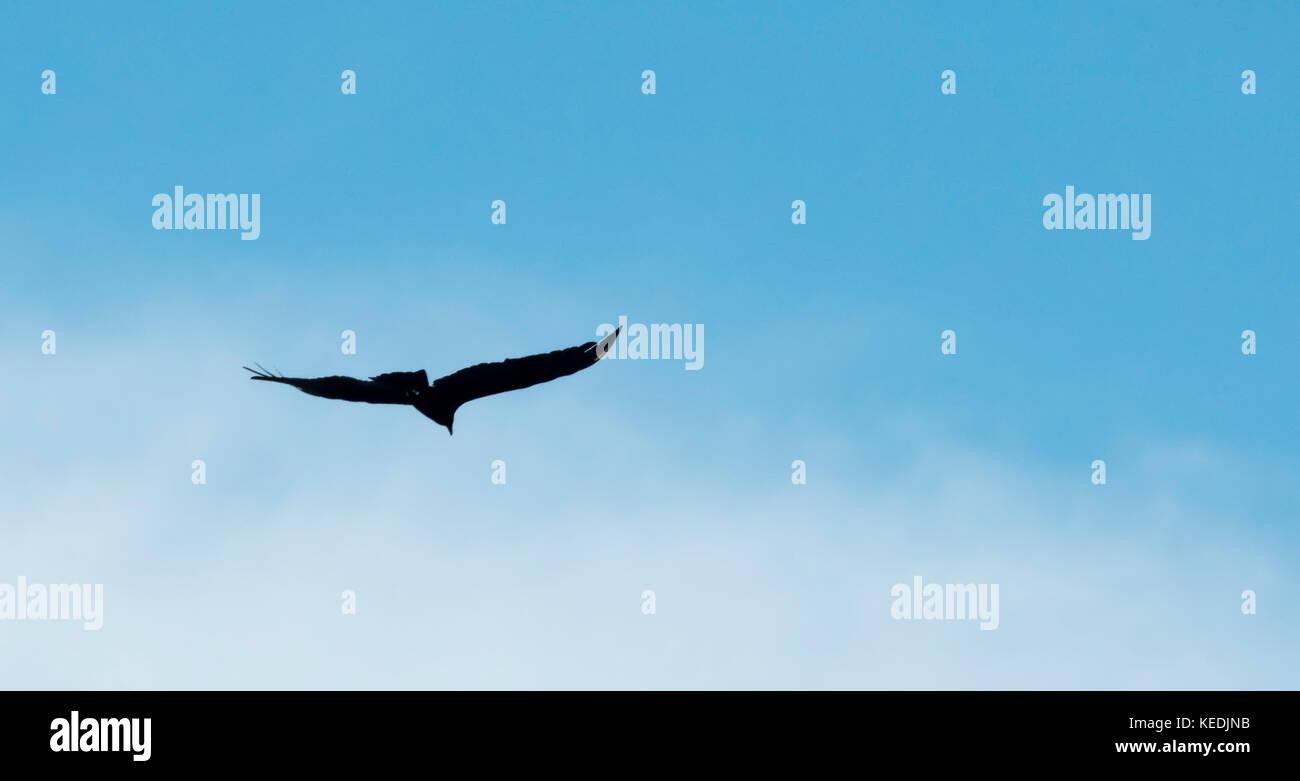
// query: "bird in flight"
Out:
[440,400]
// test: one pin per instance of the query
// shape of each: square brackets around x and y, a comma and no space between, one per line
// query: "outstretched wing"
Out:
[487,379]
[384,389]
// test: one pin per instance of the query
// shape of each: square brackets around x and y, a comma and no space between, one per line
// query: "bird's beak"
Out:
[448,429]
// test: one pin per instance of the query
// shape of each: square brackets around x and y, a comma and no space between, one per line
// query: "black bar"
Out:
[925,730]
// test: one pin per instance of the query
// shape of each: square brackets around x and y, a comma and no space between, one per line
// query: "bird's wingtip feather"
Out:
[259,373]
[603,347]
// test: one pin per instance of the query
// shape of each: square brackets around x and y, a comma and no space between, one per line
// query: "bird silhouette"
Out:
[440,400]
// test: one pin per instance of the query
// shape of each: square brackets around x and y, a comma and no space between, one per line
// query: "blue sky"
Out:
[822,344]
